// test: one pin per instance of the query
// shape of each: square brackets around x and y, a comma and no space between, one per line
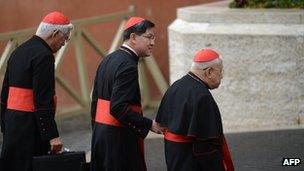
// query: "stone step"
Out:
[219,13]
[263,58]
[186,27]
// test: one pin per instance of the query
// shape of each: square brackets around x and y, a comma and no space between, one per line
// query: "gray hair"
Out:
[204,65]
[45,29]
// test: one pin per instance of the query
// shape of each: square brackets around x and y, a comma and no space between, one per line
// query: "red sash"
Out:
[104,116]
[177,138]
[22,99]
[103,113]
[227,158]
[227,161]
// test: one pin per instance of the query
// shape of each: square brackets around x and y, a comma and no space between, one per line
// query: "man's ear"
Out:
[208,72]
[55,32]
[132,37]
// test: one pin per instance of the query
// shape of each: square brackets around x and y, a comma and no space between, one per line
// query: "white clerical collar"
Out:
[125,45]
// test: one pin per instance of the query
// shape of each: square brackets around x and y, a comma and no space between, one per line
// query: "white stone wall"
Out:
[263,85]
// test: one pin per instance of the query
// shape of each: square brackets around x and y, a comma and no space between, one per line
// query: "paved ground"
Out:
[255,151]
[251,151]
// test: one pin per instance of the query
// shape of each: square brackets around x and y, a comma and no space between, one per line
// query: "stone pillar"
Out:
[263,54]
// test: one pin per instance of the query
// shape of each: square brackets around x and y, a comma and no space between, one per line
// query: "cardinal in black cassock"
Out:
[194,139]
[119,126]
[28,100]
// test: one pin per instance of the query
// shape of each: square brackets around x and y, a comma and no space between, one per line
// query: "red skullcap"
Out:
[205,55]
[56,18]
[133,21]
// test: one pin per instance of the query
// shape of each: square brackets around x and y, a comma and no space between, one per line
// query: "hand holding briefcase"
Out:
[67,161]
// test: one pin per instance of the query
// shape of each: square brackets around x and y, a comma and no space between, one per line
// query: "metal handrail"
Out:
[14,38]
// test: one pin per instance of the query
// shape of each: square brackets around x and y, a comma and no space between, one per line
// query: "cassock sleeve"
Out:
[4,96]
[162,113]
[205,119]
[94,101]
[206,128]
[44,90]
[124,89]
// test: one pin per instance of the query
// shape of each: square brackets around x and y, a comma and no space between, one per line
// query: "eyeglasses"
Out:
[220,70]
[66,36]
[150,37]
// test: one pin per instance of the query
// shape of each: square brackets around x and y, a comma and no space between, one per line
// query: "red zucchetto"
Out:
[56,18]
[133,21]
[205,55]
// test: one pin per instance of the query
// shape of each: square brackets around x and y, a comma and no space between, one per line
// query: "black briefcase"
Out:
[67,161]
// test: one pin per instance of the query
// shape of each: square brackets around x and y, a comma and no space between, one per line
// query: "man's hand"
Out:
[56,145]
[157,128]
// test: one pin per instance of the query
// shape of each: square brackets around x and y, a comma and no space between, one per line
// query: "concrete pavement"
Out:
[251,151]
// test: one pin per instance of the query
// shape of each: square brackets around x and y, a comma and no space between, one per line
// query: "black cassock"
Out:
[27,105]
[189,111]
[118,125]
